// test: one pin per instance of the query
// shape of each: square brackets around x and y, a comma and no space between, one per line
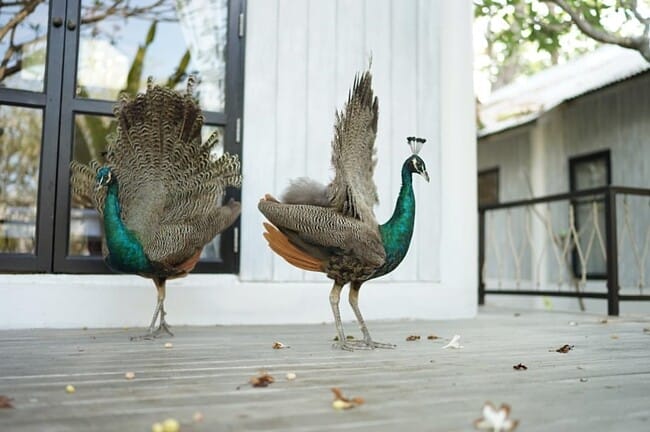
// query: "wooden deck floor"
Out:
[603,384]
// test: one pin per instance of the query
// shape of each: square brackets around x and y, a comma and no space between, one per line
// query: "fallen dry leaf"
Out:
[279,345]
[614,336]
[261,380]
[496,420]
[646,330]
[342,403]
[348,337]
[520,366]
[564,348]
[433,337]
[5,402]
[603,321]
[412,338]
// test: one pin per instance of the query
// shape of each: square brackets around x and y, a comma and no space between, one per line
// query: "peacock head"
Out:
[104,177]
[414,163]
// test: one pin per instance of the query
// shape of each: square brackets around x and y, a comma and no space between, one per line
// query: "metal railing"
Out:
[570,242]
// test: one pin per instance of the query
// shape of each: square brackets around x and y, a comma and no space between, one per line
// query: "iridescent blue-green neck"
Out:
[125,251]
[397,232]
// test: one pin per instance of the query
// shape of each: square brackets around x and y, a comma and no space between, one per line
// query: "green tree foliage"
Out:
[557,29]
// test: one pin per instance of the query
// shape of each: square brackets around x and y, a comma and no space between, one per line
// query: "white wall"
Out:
[301,58]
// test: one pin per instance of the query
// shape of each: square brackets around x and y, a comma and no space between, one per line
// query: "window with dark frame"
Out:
[67,63]
[588,172]
[488,186]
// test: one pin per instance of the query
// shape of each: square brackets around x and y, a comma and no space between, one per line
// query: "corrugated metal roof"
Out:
[526,100]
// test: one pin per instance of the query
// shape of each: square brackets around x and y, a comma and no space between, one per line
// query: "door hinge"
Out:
[238,130]
[235,243]
[241,25]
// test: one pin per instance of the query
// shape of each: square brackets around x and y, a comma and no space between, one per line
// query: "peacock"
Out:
[332,228]
[160,189]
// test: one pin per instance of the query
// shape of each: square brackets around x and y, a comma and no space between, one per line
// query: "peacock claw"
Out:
[162,330]
[345,346]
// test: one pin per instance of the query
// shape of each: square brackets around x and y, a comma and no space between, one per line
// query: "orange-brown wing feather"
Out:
[281,245]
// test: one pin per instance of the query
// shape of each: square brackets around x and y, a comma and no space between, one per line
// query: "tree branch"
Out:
[19,17]
[634,6]
[640,44]
[124,12]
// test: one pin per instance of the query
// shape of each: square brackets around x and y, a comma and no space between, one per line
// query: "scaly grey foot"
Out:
[162,329]
[153,333]
[370,344]
[345,346]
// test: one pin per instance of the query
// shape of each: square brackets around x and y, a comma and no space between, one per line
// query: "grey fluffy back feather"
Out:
[170,185]
[304,190]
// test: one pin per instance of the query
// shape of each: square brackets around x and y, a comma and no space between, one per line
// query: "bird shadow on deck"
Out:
[202,376]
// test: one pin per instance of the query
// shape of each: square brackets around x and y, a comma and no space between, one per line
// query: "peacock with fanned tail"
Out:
[332,229]
[160,189]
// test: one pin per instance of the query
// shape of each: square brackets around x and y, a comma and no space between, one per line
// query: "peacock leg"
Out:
[335,296]
[154,332]
[367,340]
[163,327]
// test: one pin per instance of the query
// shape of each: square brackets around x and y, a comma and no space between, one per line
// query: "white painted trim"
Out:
[459,247]
[68,301]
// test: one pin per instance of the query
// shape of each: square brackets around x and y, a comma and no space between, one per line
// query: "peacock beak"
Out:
[425,174]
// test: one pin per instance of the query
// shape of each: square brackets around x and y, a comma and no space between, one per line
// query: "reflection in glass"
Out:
[121,45]
[23,44]
[212,250]
[89,144]
[20,149]
[588,174]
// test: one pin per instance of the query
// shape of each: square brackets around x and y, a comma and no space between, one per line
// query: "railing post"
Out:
[481,256]
[612,252]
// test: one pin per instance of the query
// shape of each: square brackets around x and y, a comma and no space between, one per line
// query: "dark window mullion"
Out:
[24,98]
[68,104]
[232,142]
[50,143]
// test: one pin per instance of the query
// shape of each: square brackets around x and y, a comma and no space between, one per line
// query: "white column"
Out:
[459,253]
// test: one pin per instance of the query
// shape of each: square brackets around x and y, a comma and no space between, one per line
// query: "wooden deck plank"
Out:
[417,386]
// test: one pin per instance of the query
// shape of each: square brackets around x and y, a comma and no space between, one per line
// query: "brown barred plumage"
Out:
[171,186]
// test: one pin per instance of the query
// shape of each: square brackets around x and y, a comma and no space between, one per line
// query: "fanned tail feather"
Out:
[281,245]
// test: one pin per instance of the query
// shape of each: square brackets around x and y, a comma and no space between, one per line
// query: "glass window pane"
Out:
[488,187]
[20,152]
[121,45]
[23,44]
[89,143]
[590,174]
